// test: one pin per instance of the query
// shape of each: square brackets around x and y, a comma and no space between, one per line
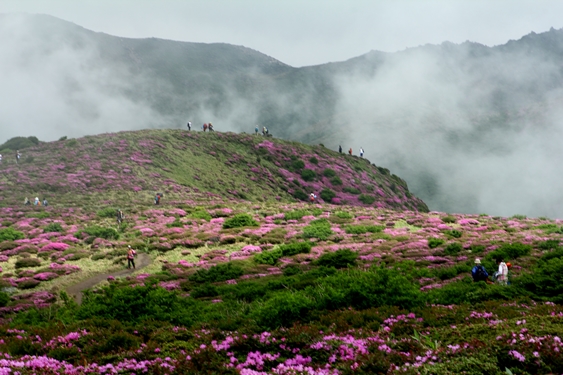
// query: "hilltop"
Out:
[114,167]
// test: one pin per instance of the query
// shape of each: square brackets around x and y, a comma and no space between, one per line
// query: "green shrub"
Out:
[297,165]
[300,194]
[318,229]
[108,212]
[220,272]
[10,234]
[175,224]
[343,215]
[329,172]
[339,259]
[283,309]
[4,299]
[361,229]
[308,175]
[27,262]
[287,271]
[39,215]
[435,242]
[453,248]
[477,249]
[366,199]
[296,214]
[100,232]
[519,217]
[295,248]
[201,214]
[327,195]
[240,220]
[453,233]
[268,257]
[206,290]
[336,181]
[548,244]
[19,143]
[449,219]
[53,227]
[352,190]
[510,251]
[314,160]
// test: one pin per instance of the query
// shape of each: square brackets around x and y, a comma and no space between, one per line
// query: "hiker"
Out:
[130,257]
[36,201]
[502,273]
[361,152]
[45,203]
[312,197]
[264,130]
[204,127]
[157,198]
[255,133]
[0,158]
[479,273]
[120,217]
[18,156]
[189,125]
[350,151]
[339,149]
[26,201]
[210,126]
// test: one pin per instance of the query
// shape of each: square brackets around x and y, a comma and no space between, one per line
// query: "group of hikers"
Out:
[351,152]
[18,157]
[205,127]
[479,273]
[36,202]
[265,131]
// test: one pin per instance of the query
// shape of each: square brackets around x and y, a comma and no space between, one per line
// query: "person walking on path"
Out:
[479,273]
[130,257]
[361,152]
[189,125]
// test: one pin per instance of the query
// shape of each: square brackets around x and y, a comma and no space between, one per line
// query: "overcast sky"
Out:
[308,32]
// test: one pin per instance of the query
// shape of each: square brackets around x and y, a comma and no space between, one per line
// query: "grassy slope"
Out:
[195,165]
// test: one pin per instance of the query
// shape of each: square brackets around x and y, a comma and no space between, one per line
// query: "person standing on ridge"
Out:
[339,148]
[210,127]
[130,257]
[361,152]
[0,158]
[256,130]
[204,127]
[189,125]
[18,156]
[350,151]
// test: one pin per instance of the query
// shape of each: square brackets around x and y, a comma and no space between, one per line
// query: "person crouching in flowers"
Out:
[479,273]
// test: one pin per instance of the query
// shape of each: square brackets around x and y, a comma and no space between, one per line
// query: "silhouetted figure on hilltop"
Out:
[361,152]
[210,127]
[189,125]
[204,127]
[256,130]
[350,151]
[339,148]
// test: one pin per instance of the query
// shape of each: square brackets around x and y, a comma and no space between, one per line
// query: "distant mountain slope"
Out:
[197,165]
[463,124]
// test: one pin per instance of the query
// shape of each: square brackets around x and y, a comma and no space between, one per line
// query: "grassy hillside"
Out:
[277,288]
[111,168]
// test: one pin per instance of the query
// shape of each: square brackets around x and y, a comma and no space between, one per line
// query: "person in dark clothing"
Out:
[479,273]
[340,149]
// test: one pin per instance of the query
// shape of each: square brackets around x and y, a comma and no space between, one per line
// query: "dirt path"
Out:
[76,290]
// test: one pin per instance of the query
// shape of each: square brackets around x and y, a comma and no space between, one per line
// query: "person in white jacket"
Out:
[502,273]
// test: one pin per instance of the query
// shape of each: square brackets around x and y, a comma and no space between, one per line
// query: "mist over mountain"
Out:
[471,128]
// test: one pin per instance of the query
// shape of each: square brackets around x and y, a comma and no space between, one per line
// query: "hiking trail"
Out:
[75,291]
